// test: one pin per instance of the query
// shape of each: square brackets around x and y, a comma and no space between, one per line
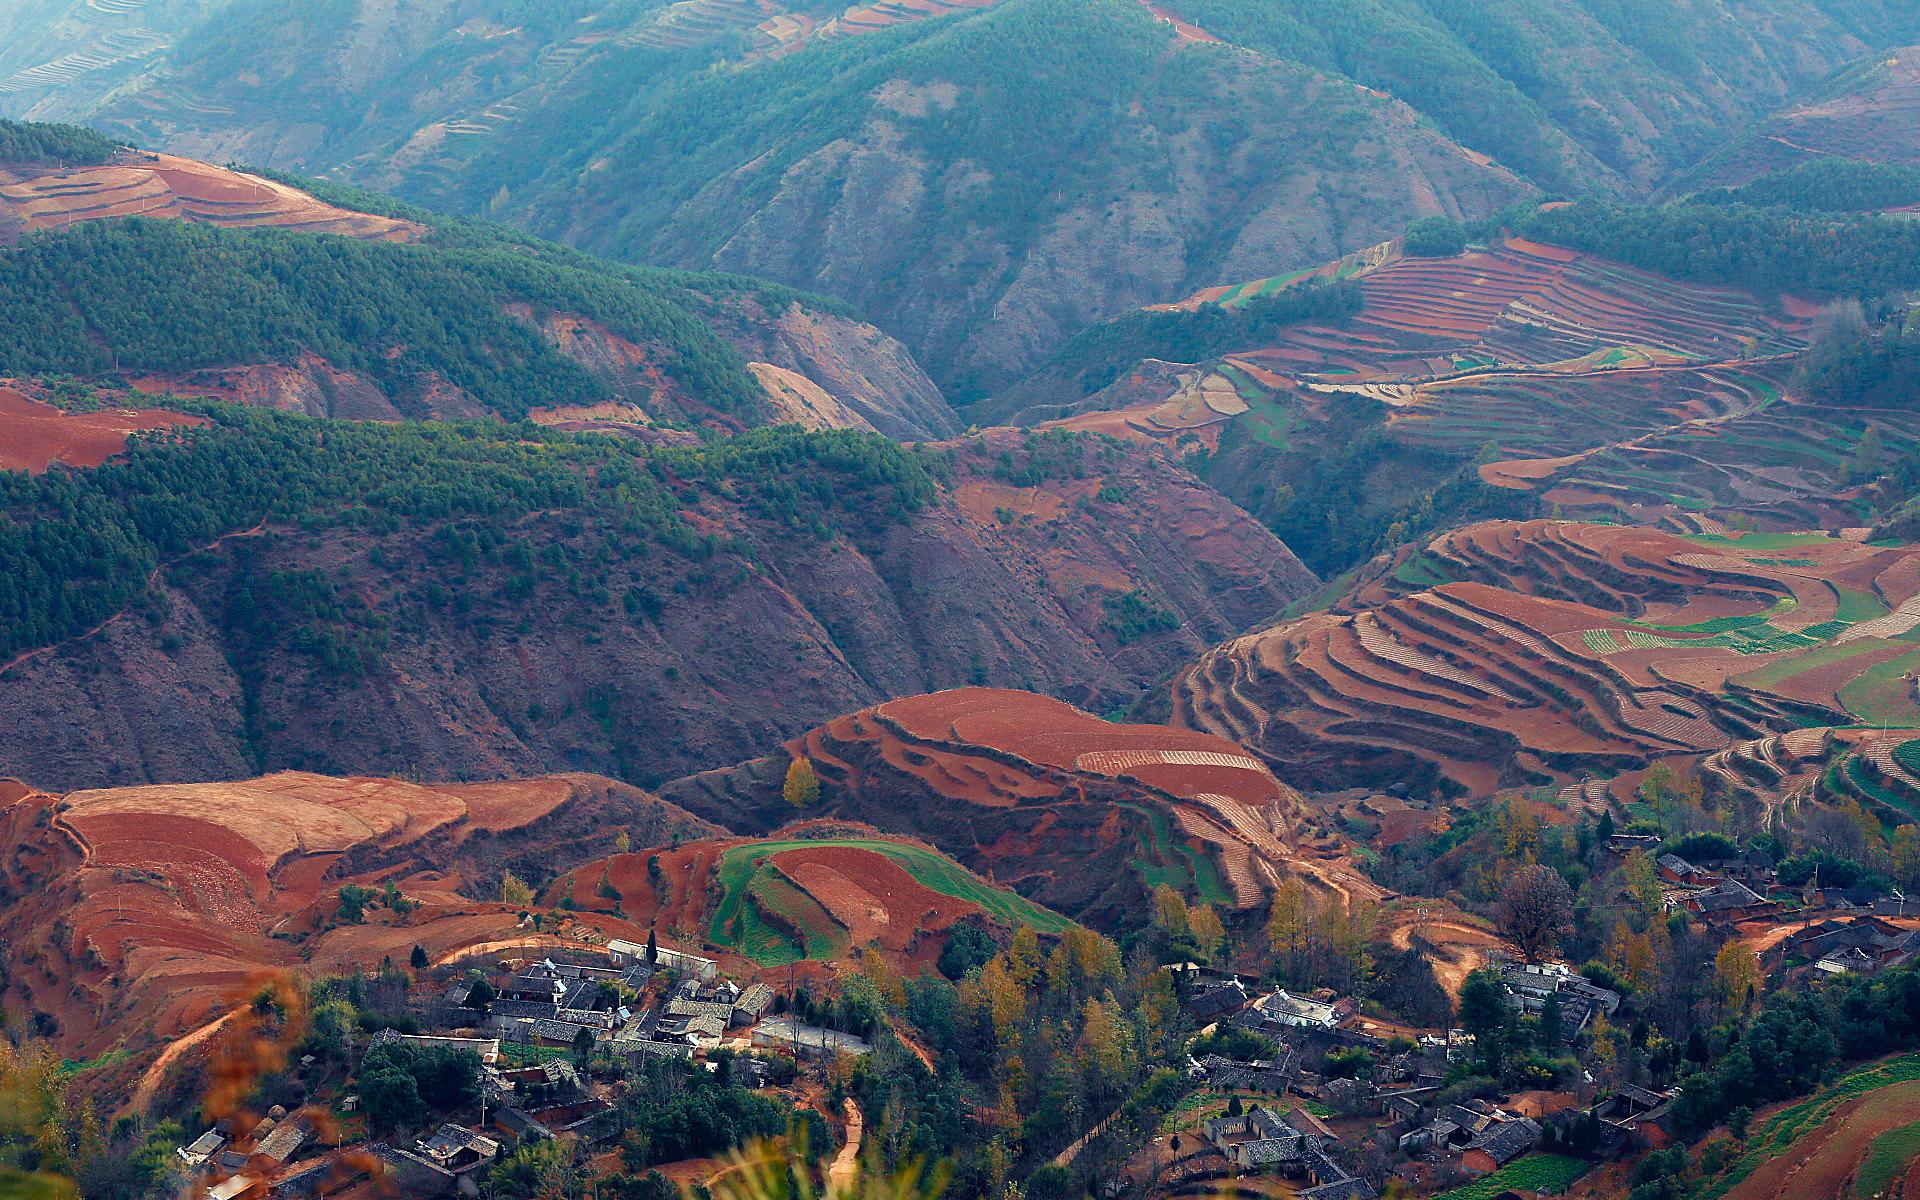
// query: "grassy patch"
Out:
[743,873]
[1782,1129]
[1538,1172]
[1887,1157]
[1166,858]
[1881,696]
[1776,673]
[1759,543]
[1857,606]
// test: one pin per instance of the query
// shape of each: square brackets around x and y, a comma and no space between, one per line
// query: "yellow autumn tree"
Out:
[1023,956]
[1642,882]
[1170,913]
[514,892]
[1106,1045]
[1737,970]
[886,981]
[1287,924]
[1208,933]
[802,788]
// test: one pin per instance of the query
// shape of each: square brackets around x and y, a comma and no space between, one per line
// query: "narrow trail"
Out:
[149,1085]
[1065,1157]
[153,577]
[844,1172]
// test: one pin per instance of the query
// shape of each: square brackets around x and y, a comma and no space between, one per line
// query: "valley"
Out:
[958,599]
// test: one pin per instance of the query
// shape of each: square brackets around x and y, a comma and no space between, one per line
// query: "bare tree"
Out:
[1536,911]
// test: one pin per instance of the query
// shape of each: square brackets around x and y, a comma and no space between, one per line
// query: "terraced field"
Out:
[1527,652]
[151,908]
[1610,391]
[812,895]
[161,185]
[1855,1138]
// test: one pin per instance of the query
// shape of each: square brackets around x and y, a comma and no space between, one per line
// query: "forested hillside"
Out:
[988,184]
[468,319]
[478,598]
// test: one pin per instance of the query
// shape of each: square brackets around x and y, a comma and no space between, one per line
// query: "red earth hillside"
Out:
[1522,653]
[142,912]
[34,435]
[1082,815]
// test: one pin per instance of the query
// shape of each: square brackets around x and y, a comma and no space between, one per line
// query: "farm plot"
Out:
[785,900]
[35,436]
[1855,1131]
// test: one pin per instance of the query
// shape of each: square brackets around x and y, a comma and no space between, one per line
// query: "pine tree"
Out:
[418,958]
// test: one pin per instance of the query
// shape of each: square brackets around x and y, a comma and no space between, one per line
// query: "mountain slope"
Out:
[477,600]
[463,319]
[988,183]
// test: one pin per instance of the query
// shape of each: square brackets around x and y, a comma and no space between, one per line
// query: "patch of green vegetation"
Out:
[1857,606]
[1824,185]
[736,922]
[1776,673]
[1882,695]
[1758,542]
[1423,571]
[1907,754]
[1133,615]
[56,145]
[148,295]
[773,892]
[1779,1131]
[1785,604]
[1166,858]
[1763,250]
[1534,1173]
[78,546]
[1886,1158]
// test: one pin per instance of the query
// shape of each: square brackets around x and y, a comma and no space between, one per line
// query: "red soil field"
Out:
[151,908]
[34,436]
[161,185]
[849,882]
[1821,1163]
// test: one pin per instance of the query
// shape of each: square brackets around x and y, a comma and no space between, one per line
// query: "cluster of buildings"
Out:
[589,1004]
[1395,1103]
[1293,1143]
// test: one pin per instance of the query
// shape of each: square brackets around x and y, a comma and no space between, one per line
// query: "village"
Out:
[1290,1093]
[549,1043]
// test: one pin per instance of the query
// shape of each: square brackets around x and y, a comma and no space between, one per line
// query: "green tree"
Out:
[1485,1015]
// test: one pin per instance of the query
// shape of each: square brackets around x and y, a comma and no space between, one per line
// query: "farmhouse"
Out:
[202,1149]
[457,1150]
[1501,1144]
[1282,1010]
[1257,1140]
[752,1004]
[1675,869]
[1261,1075]
[488,1049]
[627,954]
[534,986]
[1728,903]
[784,1033]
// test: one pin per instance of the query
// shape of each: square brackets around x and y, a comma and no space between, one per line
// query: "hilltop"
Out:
[182,277]
[144,911]
[1016,785]
[923,140]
